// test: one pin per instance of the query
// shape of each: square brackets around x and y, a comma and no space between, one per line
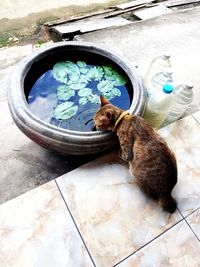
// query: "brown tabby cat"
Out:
[151,162]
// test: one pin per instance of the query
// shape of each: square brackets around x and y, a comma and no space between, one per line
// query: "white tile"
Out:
[194,221]
[178,247]
[36,230]
[183,138]
[114,216]
[196,115]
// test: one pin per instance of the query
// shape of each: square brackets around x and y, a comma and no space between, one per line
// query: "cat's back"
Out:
[152,156]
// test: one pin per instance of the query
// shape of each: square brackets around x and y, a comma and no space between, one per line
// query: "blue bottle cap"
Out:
[168,88]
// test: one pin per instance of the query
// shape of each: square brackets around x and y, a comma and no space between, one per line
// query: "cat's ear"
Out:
[103,101]
[109,113]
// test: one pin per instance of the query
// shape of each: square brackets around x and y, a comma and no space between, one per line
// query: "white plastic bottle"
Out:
[159,80]
[158,106]
[157,65]
[183,96]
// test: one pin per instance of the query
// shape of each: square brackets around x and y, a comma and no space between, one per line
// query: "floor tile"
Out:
[196,115]
[194,221]
[184,132]
[178,247]
[36,230]
[183,138]
[114,216]
[187,190]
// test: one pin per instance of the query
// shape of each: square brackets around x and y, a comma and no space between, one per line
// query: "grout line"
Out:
[185,217]
[180,213]
[192,229]
[195,119]
[150,241]
[74,223]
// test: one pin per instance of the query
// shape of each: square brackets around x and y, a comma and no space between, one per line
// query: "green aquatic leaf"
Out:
[60,72]
[105,86]
[108,95]
[83,100]
[113,75]
[71,112]
[120,80]
[73,78]
[81,64]
[85,92]
[95,73]
[107,71]
[71,68]
[93,98]
[64,93]
[77,86]
[65,110]
[84,71]
[84,78]
[116,92]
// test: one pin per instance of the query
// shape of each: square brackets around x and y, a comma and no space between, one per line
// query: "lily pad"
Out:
[93,98]
[84,78]
[116,92]
[71,68]
[113,75]
[77,86]
[105,86]
[81,64]
[60,72]
[83,100]
[84,71]
[64,93]
[120,80]
[95,73]
[85,92]
[108,95]
[107,71]
[73,77]
[65,111]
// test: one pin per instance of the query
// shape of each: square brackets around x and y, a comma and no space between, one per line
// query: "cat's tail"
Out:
[168,203]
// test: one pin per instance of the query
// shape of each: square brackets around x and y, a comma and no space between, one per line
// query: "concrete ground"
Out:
[23,164]
[20,8]
[21,22]
[176,33]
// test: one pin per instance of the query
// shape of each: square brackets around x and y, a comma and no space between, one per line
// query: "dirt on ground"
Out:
[30,29]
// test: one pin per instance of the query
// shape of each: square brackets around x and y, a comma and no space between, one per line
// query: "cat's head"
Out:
[106,116]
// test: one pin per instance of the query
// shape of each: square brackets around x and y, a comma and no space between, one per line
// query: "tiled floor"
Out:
[93,216]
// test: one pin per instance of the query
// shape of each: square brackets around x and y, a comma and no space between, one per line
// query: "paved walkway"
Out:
[93,216]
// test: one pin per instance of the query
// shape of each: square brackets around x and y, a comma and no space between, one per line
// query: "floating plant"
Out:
[82,66]
[70,93]
[76,77]
[93,98]
[65,110]
[64,92]
[95,73]
[85,92]
[65,71]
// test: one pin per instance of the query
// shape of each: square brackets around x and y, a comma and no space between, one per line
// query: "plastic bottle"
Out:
[157,65]
[158,106]
[159,80]
[183,96]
